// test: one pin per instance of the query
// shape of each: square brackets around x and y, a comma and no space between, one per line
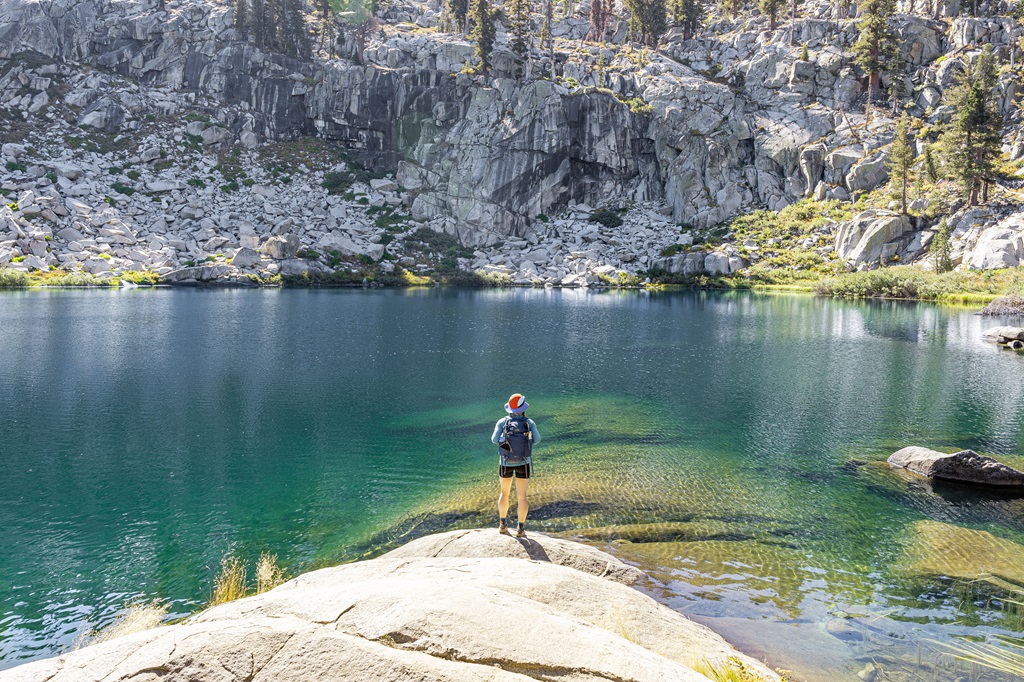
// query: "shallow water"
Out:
[728,443]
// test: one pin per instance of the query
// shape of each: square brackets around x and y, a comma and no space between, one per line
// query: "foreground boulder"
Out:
[966,466]
[464,605]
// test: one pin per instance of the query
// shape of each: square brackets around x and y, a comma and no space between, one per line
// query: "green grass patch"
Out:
[912,282]
[13,279]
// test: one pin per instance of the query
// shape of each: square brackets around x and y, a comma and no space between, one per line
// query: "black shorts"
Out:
[521,471]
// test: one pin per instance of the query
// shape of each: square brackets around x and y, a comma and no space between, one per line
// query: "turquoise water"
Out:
[728,443]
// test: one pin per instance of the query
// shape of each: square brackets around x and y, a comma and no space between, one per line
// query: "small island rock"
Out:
[966,466]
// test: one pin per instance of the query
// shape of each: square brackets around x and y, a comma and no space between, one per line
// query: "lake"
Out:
[731,444]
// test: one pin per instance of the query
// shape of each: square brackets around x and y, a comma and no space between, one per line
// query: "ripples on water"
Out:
[727,443]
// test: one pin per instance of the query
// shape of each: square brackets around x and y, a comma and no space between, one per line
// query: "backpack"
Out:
[518,444]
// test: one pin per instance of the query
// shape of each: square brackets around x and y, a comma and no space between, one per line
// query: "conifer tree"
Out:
[901,158]
[483,32]
[600,15]
[771,8]
[519,29]
[242,17]
[971,139]
[546,37]
[358,16]
[940,250]
[292,37]
[876,49]
[454,16]
[688,14]
[258,23]
[792,22]
[647,20]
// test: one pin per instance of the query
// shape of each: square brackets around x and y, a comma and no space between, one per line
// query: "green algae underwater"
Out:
[729,444]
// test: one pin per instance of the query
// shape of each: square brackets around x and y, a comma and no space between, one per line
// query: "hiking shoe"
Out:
[520,531]
[502,528]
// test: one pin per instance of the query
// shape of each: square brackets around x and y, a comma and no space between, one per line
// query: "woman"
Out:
[515,435]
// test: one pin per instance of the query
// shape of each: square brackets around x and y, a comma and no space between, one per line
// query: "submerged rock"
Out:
[464,605]
[966,466]
[944,550]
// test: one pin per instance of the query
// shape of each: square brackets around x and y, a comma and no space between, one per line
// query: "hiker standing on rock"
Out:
[515,436]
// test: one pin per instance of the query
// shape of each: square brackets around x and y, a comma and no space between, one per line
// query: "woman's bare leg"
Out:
[503,498]
[522,506]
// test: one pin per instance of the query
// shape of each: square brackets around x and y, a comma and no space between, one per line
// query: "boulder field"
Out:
[463,605]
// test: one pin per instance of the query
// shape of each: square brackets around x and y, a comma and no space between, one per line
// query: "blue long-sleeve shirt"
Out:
[499,429]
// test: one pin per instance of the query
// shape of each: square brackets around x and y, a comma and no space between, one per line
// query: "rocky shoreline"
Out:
[462,605]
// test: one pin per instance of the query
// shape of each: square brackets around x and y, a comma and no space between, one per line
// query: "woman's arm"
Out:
[534,431]
[496,436]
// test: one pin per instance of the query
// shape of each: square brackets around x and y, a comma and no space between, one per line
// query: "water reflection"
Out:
[717,439]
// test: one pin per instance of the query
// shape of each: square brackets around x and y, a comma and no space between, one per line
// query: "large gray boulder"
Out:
[966,466]
[1000,246]
[464,605]
[281,248]
[198,273]
[867,174]
[861,240]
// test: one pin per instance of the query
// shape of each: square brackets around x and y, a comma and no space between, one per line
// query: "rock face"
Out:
[1000,246]
[465,605]
[966,466]
[870,236]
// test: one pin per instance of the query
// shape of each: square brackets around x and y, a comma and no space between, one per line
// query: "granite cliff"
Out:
[740,118]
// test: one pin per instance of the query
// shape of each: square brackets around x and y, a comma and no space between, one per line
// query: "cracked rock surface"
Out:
[463,605]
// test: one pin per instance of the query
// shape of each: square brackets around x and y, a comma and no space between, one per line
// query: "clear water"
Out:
[727,443]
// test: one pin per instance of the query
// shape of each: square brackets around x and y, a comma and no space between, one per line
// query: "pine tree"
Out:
[358,16]
[292,36]
[877,46]
[940,249]
[647,20]
[971,140]
[733,7]
[931,167]
[454,15]
[771,8]
[688,14]
[242,17]
[901,158]
[258,23]
[600,15]
[483,33]
[520,36]
[792,22]
[545,35]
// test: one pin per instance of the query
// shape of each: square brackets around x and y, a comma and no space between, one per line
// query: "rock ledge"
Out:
[464,605]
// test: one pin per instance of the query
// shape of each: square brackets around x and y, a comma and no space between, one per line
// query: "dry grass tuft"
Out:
[230,584]
[269,573]
[729,670]
[134,618]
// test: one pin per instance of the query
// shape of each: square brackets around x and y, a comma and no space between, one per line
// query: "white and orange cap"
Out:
[516,403]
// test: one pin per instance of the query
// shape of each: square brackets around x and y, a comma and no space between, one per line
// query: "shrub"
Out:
[197,183]
[134,174]
[122,188]
[15,166]
[606,217]
[12,279]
